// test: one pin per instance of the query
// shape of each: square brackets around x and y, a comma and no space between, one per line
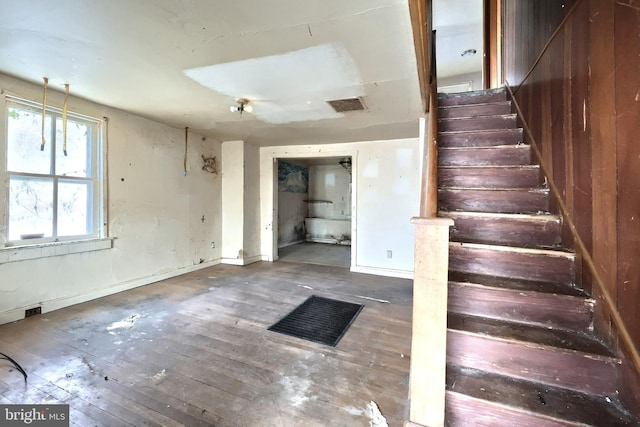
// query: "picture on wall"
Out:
[292,178]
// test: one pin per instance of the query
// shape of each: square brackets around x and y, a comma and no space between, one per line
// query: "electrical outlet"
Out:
[213,245]
[389,254]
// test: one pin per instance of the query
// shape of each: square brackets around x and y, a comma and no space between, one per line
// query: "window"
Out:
[52,195]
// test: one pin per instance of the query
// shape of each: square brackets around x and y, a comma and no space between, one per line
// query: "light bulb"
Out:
[248,108]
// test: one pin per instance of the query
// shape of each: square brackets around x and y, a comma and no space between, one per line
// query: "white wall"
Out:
[233,213]
[240,199]
[329,182]
[154,215]
[385,188]
[475,79]
[252,204]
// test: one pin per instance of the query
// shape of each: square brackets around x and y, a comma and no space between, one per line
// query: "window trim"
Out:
[18,250]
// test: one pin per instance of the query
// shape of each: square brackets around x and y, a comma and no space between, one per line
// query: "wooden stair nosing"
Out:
[569,369]
[525,307]
[538,399]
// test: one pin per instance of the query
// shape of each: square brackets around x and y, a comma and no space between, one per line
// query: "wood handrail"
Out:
[429,199]
[586,256]
[546,46]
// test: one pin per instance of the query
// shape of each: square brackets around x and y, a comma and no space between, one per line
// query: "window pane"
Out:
[74,208]
[30,208]
[77,161]
[25,137]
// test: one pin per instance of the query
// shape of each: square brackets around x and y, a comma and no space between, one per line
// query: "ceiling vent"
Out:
[346,105]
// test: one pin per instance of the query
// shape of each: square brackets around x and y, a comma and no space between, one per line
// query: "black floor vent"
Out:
[319,319]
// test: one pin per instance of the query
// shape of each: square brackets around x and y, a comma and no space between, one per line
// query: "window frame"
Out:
[96,181]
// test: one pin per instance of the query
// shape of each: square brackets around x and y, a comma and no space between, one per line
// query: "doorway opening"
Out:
[314,205]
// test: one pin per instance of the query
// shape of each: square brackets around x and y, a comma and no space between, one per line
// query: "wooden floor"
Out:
[194,350]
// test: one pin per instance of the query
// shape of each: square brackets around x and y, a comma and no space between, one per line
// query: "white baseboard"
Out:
[387,272]
[242,261]
[58,303]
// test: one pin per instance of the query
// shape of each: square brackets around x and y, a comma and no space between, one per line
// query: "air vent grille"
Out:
[346,105]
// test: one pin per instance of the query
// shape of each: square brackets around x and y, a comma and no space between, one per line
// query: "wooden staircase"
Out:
[520,347]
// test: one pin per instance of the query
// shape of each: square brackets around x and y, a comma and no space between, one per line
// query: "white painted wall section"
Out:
[240,201]
[232,200]
[162,222]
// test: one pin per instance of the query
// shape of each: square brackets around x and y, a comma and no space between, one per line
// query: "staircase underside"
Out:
[520,347]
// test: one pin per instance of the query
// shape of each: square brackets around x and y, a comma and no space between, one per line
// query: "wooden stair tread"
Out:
[474,110]
[533,397]
[502,200]
[530,334]
[527,230]
[516,284]
[506,155]
[475,97]
[480,138]
[512,261]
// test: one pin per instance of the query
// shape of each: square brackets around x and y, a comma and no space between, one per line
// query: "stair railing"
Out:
[431,265]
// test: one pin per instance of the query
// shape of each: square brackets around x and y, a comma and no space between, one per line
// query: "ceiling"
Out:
[458,26]
[185,62]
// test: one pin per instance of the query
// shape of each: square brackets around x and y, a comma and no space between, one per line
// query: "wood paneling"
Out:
[627,104]
[576,71]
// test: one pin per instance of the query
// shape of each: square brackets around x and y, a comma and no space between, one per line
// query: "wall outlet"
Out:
[213,245]
[389,254]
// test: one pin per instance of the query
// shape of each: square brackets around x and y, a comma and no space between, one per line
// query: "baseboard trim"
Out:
[16,314]
[242,261]
[387,272]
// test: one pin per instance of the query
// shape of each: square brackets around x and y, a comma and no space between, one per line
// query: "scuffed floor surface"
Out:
[195,351]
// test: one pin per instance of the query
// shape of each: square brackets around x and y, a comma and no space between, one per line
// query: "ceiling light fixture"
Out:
[469,52]
[243,105]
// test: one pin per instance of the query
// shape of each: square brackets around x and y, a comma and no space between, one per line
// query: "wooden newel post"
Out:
[429,334]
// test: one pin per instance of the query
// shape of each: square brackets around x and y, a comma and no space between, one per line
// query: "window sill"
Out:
[45,250]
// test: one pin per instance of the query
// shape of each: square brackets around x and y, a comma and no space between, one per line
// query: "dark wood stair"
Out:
[520,348]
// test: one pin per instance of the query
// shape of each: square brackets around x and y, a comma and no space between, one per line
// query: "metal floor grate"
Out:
[318,319]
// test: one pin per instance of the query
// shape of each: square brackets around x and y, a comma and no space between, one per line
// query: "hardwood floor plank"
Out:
[195,350]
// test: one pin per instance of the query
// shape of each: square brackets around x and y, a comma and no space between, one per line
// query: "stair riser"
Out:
[493,156]
[480,138]
[501,201]
[537,308]
[490,177]
[477,123]
[548,365]
[523,232]
[493,109]
[524,265]
[466,411]
[472,98]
